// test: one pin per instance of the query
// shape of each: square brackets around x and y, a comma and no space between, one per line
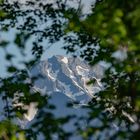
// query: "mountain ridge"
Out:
[66,75]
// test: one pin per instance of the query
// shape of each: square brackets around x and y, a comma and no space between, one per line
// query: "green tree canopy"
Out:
[109,34]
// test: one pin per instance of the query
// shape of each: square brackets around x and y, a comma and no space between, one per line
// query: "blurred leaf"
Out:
[4,43]
[11,69]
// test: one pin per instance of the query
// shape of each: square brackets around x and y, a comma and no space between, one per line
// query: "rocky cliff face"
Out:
[65,81]
[68,76]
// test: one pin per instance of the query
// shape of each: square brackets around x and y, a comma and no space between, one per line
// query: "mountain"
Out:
[68,76]
[65,81]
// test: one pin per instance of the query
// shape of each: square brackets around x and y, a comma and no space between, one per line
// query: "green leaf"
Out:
[4,43]
[11,69]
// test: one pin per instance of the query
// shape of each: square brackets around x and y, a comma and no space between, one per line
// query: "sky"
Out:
[53,50]
[12,49]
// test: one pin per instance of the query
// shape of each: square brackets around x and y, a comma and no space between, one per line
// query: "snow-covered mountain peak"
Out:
[65,75]
[65,60]
[64,79]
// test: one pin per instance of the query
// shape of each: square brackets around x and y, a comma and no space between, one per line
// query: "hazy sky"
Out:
[12,49]
[53,50]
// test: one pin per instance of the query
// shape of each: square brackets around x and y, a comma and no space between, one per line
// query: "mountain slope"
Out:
[64,79]
[66,75]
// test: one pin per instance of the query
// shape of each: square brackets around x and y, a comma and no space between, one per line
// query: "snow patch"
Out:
[65,60]
[82,71]
[50,76]
[32,110]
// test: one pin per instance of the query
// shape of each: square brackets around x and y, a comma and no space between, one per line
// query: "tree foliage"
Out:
[109,34]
